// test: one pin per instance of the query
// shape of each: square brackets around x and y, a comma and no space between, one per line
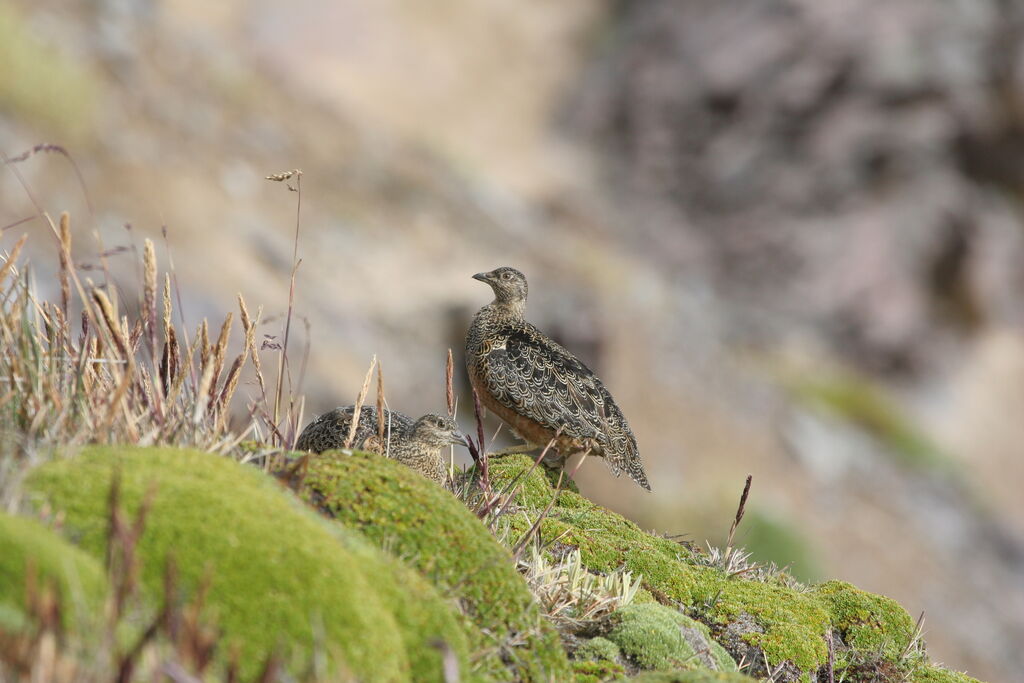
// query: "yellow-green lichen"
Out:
[280,578]
[433,532]
[29,549]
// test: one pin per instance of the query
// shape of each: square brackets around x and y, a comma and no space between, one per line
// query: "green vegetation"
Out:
[432,531]
[596,649]
[692,676]
[279,577]
[655,637]
[27,548]
[769,612]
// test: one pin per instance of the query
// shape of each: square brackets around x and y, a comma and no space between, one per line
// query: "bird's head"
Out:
[438,431]
[509,285]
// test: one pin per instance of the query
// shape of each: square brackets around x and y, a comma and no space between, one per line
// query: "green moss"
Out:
[78,578]
[279,575]
[597,672]
[430,529]
[867,621]
[936,674]
[424,620]
[40,85]
[656,637]
[692,676]
[793,623]
[597,649]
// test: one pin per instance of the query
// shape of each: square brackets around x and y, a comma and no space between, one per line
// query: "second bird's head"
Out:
[438,431]
[509,284]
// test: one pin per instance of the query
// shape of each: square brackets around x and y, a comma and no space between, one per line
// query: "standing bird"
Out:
[540,388]
[416,444]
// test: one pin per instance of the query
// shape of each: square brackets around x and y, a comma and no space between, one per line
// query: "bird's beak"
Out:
[458,438]
[482,277]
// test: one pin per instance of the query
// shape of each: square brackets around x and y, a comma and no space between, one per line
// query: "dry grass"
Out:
[95,369]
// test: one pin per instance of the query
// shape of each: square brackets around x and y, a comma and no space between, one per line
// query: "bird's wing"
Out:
[543,381]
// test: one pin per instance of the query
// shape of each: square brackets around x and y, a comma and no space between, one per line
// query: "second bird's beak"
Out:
[482,277]
[458,438]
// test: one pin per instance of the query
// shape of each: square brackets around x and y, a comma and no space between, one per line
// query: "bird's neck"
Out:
[507,311]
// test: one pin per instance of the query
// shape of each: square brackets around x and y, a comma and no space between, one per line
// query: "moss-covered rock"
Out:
[692,676]
[866,621]
[433,532]
[28,546]
[596,649]
[935,674]
[787,625]
[281,577]
[603,671]
[655,637]
[753,620]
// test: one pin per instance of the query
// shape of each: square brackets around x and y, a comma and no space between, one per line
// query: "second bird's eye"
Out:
[506,275]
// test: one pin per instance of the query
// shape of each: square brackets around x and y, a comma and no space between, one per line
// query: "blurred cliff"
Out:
[787,234]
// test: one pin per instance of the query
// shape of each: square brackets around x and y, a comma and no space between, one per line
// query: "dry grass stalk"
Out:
[149,278]
[360,400]
[380,404]
[739,517]
[65,261]
[110,319]
[283,356]
[12,258]
[218,354]
[449,388]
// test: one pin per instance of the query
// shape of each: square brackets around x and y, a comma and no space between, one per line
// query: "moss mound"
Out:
[693,676]
[433,532]
[655,637]
[866,621]
[748,617]
[280,576]
[935,674]
[26,546]
[596,649]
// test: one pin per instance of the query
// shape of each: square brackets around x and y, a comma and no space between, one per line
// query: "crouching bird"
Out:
[417,444]
[539,388]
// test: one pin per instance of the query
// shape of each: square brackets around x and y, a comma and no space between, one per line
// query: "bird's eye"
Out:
[506,275]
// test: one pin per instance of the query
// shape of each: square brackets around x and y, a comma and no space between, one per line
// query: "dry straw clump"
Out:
[92,369]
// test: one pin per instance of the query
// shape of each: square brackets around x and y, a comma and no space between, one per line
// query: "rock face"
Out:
[843,165]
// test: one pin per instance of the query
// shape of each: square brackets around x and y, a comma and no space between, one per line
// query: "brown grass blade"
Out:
[359,404]
[12,258]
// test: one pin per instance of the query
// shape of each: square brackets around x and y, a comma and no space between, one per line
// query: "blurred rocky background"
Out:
[787,233]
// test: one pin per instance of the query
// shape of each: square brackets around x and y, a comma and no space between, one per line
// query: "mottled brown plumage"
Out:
[417,444]
[539,387]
